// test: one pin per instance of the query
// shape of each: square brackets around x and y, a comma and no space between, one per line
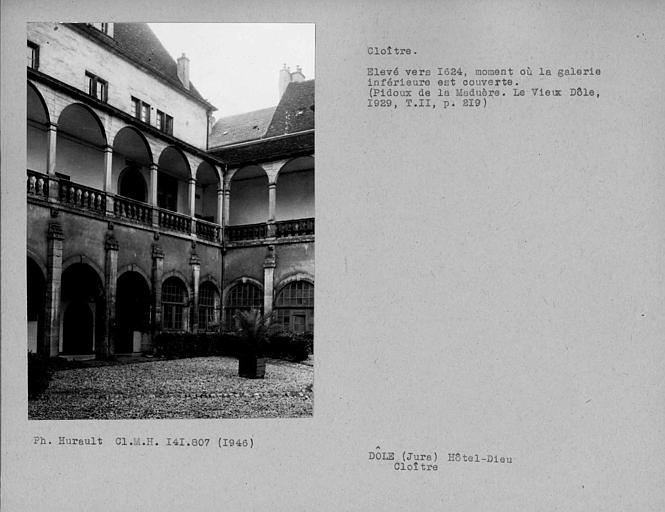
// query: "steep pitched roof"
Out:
[137,42]
[241,127]
[295,111]
[293,114]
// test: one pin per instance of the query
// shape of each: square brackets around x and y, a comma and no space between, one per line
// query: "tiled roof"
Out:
[241,127]
[139,43]
[293,114]
[295,111]
[290,146]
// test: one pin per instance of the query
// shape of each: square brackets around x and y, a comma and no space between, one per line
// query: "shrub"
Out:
[39,374]
[177,345]
[294,347]
[282,345]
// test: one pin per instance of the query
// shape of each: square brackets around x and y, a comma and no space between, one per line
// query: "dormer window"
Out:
[96,87]
[104,28]
[33,55]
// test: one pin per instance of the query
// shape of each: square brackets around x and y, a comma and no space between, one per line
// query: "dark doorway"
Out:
[78,329]
[36,293]
[132,185]
[132,311]
[83,315]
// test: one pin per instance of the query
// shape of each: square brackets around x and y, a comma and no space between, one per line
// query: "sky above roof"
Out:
[235,66]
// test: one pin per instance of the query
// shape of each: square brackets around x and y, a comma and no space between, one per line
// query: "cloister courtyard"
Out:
[199,387]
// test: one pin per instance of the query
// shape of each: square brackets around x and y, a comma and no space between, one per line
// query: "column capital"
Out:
[157,252]
[55,231]
[270,260]
[111,243]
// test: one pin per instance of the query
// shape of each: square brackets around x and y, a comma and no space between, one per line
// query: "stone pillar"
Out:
[153,193]
[272,197]
[192,196]
[107,345]
[195,262]
[220,206]
[52,141]
[51,339]
[227,202]
[53,185]
[157,272]
[108,168]
[269,264]
[108,177]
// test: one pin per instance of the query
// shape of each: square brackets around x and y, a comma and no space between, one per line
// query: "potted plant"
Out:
[253,330]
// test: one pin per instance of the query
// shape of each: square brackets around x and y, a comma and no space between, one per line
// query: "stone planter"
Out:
[251,367]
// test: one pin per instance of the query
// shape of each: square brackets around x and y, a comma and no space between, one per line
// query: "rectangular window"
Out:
[33,55]
[104,28]
[164,122]
[136,107]
[96,87]
[141,110]
[145,113]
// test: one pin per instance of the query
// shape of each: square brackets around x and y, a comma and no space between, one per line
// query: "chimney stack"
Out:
[286,77]
[183,70]
[297,75]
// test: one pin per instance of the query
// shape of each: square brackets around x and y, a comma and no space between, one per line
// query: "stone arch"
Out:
[132,184]
[176,302]
[290,278]
[209,304]
[82,258]
[208,181]
[173,180]
[295,189]
[250,297]
[80,146]
[248,195]
[36,300]
[83,311]
[133,267]
[179,275]
[131,151]
[38,120]
[294,304]
[132,318]
[39,261]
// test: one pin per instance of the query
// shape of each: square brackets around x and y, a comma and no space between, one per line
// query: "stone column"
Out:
[220,206]
[153,193]
[195,262]
[227,201]
[53,185]
[108,168]
[51,339]
[269,264]
[192,196]
[107,345]
[157,272]
[52,141]
[108,177]
[272,197]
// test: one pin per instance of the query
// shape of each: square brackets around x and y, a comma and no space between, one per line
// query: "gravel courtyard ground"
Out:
[203,387]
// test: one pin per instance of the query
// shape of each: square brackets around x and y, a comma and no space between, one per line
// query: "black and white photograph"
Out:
[487,293]
[170,220]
